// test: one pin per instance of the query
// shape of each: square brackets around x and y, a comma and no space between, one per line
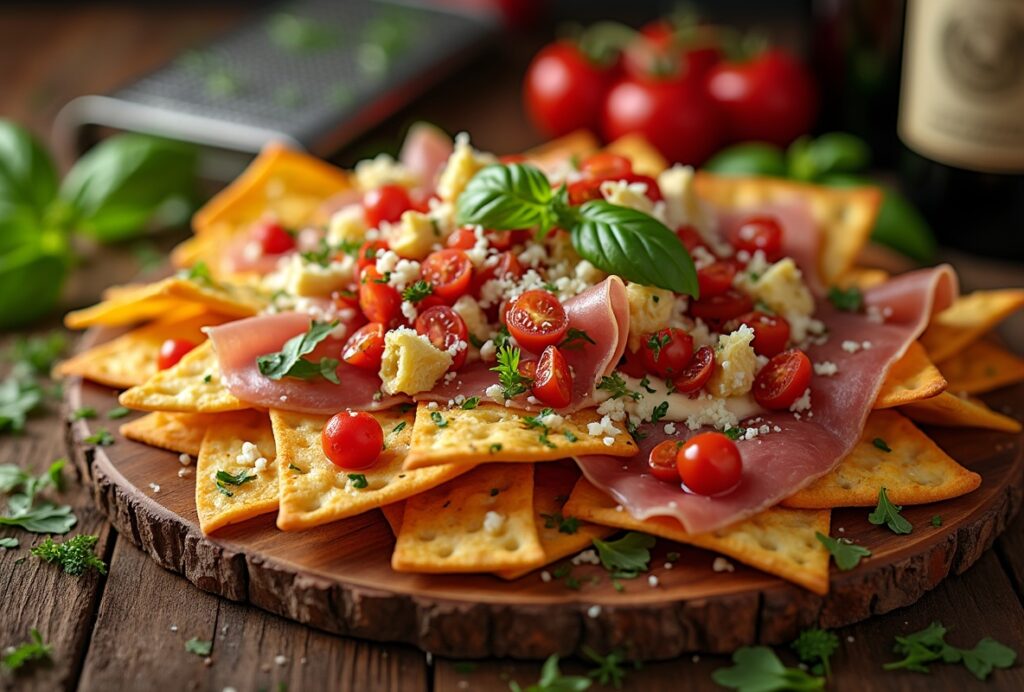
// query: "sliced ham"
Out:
[425,151]
[777,464]
[602,311]
[238,344]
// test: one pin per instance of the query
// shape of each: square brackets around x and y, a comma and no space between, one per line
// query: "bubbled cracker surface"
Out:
[182,388]
[912,378]
[982,367]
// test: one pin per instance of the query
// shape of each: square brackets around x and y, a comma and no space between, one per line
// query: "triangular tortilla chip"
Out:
[912,378]
[175,432]
[480,522]
[192,386]
[968,319]
[982,367]
[314,491]
[131,358]
[491,433]
[916,471]
[138,303]
[949,410]
[233,499]
[863,278]
[778,541]
[844,215]
[646,159]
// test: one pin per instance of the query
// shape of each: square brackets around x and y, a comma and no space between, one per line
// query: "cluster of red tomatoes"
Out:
[682,95]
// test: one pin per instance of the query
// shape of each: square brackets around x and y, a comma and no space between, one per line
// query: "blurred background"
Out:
[921,97]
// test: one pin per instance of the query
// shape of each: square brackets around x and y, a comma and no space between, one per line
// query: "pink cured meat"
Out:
[778,464]
[239,343]
[425,151]
[602,311]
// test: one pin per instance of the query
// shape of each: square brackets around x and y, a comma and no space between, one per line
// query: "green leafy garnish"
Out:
[9,543]
[848,300]
[470,403]
[552,680]
[288,362]
[734,433]
[659,412]
[36,355]
[438,419]
[83,413]
[536,421]
[844,551]
[101,437]
[929,645]
[645,384]
[513,383]
[399,428]
[23,654]
[508,197]
[567,525]
[494,448]
[626,557]
[417,291]
[758,669]
[937,520]
[815,647]
[616,386]
[570,435]
[240,478]
[658,341]
[74,555]
[18,398]
[609,669]
[198,273]
[881,444]
[575,338]
[544,440]
[118,412]
[43,518]
[889,514]
[358,480]
[199,647]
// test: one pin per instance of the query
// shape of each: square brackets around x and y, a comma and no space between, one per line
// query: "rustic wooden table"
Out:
[127,630]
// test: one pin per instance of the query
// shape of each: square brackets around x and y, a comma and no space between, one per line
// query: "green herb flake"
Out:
[74,555]
[566,525]
[543,439]
[199,647]
[658,341]
[236,479]
[295,468]
[83,413]
[881,444]
[438,419]
[470,403]
[659,412]
[513,383]
[889,514]
[117,413]
[101,437]
[417,291]
[31,651]
[920,649]
[758,668]
[616,386]
[848,300]
[198,273]
[626,557]
[936,520]
[288,362]
[575,339]
[845,552]
[494,448]
[570,435]
[734,433]
[815,647]
[358,481]
[399,428]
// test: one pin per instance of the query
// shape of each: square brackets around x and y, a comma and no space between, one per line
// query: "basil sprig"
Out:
[288,362]
[615,239]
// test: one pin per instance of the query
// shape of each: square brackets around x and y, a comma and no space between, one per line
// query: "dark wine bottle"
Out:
[961,121]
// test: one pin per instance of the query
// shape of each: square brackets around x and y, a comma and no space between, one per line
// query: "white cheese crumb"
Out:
[493,522]
[250,452]
[608,441]
[803,403]
[174,628]
[593,611]
[280,660]
[826,368]
[184,473]
[260,465]
[545,576]
[652,581]
[587,557]
[668,565]
[670,428]
[722,565]
[184,459]
[850,346]
[154,487]
[495,392]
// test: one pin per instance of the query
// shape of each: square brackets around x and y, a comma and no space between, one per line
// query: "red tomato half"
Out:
[716,278]
[771,332]
[505,265]
[697,372]
[667,351]
[662,461]
[721,308]
[710,464]
[690,238]
[367,255]
[449,271]
[352,440]
[172,351]
[365,347]
[552,381]
[759,233]
[537,320]
[462,238]
[606,166]
[563,89]
[273,239]
[783,380]
[378,301]
[385,203]
[445,329]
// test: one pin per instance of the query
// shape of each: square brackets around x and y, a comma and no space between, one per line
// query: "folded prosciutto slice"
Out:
[808,444]
[238,344]
[602,311]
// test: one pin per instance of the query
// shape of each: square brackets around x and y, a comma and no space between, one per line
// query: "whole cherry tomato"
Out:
[385,203]
[771,98]
[365,348]
[662,461]
[564,89]
[605,165]
[445,329]
[662,49]
[709,464]
[172,351]
[379,301]
[675,116]
[783,380]
[449,271]
[716,278]
[771,332]
[537,320]
[697,372]
[552,381]
[759,233]
[352,440]
[272,237]
[667,351]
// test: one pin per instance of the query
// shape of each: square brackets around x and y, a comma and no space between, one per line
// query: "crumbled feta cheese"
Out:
[154,487]
[670,428]
[250,452]
[825,368]
[533,256]
[702,257]
[593,611]
[649,310]
[720,564]
[411,364]
[587,557]
[260,464]
[736,364]
[652,581]
[551,420]
[488,351]
[462,165]
[603,427]
[716,414]
[615,409]
[850,346]
[409,311]
[184,473]
[608,441]
[184,459]
[545,576]
[495,392]
[493,523]
[280,660]
[803,403]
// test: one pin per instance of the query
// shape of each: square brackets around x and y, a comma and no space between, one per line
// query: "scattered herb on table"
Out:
[758,669]
[74,556]
[889,514]
[626,557]
[101,437]
[9,543]
[937,520]
[552,680]
[119,412]
[199,647]
[23,654]
[929,645]
[18,398]
[815,647]
[83,413]
[36,355]
[845,552]
[609,670]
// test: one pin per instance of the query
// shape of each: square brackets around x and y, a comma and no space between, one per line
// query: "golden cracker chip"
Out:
[493,433]
[393,513]
[314,491]
[560,534]
[778,541]
[863,278]
[176,432]
[141,302]
[646,159]
[192,386]
[131,359]
[912,378]
[480,522]
[578,144]
[966,320]
[916,471]
[982,367]
[950,410]
[237,471]
[844,215]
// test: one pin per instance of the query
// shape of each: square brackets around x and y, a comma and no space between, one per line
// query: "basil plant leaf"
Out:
[507,197]
[31,278]
[635,246]
[124,181]
[28,178]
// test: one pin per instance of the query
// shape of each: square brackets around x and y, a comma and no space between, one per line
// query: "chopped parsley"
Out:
[659,412]
[513,383]
[494,448]
[616,386]
[399,428]
[83,413]
[845,552]
[574,339]
[848,300]
[417,291]
[645,384]
[358,480]
[295,468]
[815,647]
[543,439]
[881,444]
[207,379]
[438,419]
[74,555]
[101,437]
[889,514]
[470,403]
[734,433]
[240,478]
[937,520]
[199,647]
[23,654]
[658,341]
[567,525]
[920,649]
[569,435]
[626,557]
[117,412]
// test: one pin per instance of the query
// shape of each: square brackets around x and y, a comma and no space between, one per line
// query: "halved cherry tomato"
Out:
[462,238]
[378,301]
[653,192]
[445,329]
[365,347]
[697,372]
[667,351]
[171,351]
[605,165]
[552,382]
[584,190]
[783,380]
[528,369]
[537,320]
[690,238]
[273,239]
[347,299]
[662,461]
[721,308]
[504,265]
[632,363]
[771,332]
[449,271]
[716,278]
[385,203]
[759,233]
[710,464]
[367,255]
[352,440]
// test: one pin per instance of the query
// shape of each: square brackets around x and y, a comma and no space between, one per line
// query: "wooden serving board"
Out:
[338,577]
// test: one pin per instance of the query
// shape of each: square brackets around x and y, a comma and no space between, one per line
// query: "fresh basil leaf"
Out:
[748,158]
[38,269]
[124,181]
[832,152]
[506,198]
[11,478]
[28,178]
[45,518]
[635,246]
[281,364]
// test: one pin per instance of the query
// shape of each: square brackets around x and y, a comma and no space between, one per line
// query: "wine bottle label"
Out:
[962,96]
